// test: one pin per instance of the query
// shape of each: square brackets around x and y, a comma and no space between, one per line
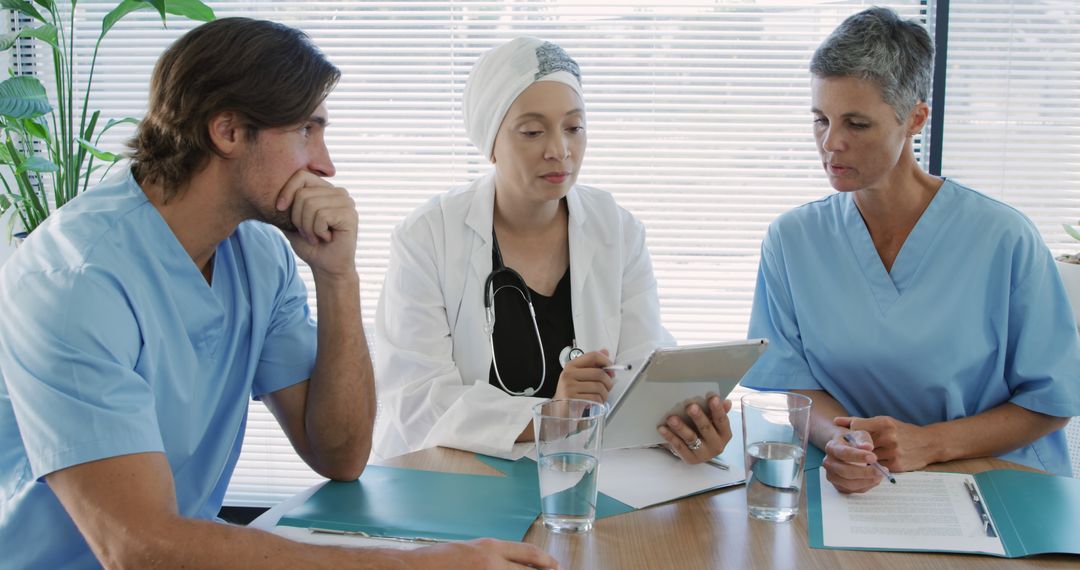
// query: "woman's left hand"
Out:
[899,446]
[707,434]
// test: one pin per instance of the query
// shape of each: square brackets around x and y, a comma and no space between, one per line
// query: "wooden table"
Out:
[712,530]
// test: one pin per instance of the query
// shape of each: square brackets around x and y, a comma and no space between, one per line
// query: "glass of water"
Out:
[568,444]
[775,428]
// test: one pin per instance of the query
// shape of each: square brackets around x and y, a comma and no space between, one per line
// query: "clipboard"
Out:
[669,376]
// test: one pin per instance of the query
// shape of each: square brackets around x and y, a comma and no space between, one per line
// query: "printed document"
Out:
[922,511]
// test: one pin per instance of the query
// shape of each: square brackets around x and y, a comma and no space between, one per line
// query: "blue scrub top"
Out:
[972,315]
[113,343]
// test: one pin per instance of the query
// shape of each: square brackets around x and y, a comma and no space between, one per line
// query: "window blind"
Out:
[698,120]
[1012,109]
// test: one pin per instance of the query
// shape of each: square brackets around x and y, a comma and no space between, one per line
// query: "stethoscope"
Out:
[565,355]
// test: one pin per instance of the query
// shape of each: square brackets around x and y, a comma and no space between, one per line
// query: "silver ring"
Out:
[694,445]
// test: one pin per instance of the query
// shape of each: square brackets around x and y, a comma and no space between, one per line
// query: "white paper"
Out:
[644,477]
[922,511]
[349,540]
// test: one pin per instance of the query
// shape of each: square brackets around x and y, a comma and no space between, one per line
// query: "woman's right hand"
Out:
[585,378]
[848,467]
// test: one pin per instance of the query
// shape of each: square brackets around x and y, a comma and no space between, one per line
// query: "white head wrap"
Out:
[504,72]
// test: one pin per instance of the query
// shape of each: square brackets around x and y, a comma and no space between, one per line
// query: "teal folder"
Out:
[814,457]
[408,503]
[1033,513]
[524,470]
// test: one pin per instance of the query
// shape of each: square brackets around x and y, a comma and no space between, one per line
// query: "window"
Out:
[698,117]
[1012,109]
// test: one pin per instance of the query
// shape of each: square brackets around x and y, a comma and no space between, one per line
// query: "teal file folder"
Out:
[814,458]
[1033,513]
[408,503]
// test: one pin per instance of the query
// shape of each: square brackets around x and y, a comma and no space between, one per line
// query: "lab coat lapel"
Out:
[587,240]
[479,219]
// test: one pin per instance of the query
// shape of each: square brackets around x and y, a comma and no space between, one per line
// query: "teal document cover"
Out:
[1035,513]
[524,470]
[408,503]
[814,458]
[1032,513]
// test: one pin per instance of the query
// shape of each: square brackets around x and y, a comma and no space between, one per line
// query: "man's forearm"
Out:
[340,409]
[189,543]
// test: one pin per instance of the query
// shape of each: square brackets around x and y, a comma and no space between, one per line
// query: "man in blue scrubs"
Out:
[141,317]
[925,318]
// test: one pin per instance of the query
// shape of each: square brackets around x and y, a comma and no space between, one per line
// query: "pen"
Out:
[619,367]
[363,534]
[988,527]
[875,465]
[718,464]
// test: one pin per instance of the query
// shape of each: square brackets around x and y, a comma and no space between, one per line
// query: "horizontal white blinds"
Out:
[1012,111]
[697,114]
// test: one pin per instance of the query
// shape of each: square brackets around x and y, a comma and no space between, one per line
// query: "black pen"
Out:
[875,465]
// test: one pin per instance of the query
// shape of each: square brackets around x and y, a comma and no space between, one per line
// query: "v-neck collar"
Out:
[175,258]
[887,287]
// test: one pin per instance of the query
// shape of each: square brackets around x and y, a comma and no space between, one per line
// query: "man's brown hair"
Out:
[269,74]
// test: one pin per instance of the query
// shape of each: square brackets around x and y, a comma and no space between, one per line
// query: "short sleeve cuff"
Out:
[115,445]
[767,379]
[280,378]
[1044,404]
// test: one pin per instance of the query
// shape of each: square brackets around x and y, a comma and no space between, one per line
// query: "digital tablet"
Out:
[668,378]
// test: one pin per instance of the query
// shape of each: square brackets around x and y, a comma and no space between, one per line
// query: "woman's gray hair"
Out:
[877,45]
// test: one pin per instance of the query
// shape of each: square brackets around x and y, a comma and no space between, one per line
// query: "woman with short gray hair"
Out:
[926,321]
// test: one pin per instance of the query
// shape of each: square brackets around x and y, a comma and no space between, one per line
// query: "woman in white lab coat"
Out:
[452,298]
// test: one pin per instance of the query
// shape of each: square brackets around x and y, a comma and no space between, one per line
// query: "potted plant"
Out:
[48,153]
[1069,267]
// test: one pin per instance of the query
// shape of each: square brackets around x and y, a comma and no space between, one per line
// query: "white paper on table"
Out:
[519,450]
[305,535]
[648,476]
[922,511]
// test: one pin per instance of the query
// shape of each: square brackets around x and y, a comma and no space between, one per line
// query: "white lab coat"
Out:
[432,355]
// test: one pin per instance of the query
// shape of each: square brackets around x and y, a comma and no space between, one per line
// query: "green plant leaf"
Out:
[4,203]
[8,40]
[126,7]
[191,9]
[24,7]
[48,4]
[5,156]
[1071,231]
[36,129]
[113,122]
[37,164]
[158,5]
[90,126]
[23,97]
[44,32]
[97,152]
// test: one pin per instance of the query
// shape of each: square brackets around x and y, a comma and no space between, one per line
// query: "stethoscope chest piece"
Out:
[569,353]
